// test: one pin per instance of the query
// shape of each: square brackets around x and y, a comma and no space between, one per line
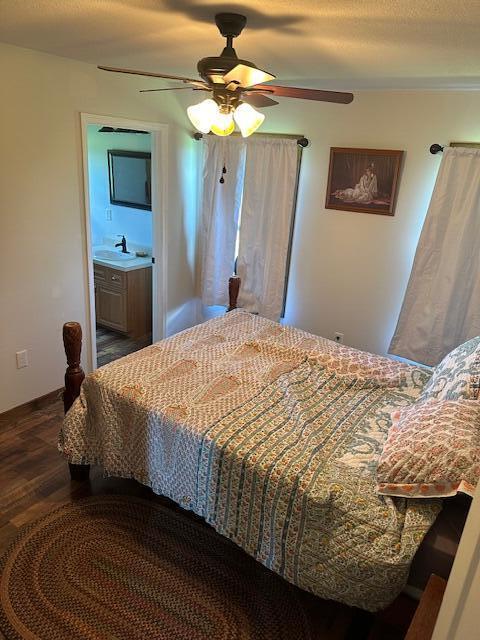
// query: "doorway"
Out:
[124,185]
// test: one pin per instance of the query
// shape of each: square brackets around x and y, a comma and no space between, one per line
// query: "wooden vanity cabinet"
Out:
[123,300]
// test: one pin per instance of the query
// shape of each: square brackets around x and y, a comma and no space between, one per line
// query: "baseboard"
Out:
[32,405]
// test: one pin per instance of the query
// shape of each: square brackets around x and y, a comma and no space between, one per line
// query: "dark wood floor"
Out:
[112,345]
[34,480]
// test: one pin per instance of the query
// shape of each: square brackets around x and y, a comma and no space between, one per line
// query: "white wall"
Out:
[349,271]
[43,271]
[135,224]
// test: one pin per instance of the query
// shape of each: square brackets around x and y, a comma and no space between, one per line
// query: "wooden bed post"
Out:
[233,289]
[74,376]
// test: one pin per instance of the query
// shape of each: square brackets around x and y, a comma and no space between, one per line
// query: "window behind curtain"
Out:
[250,190]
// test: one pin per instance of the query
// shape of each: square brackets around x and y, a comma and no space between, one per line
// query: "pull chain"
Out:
[224,171]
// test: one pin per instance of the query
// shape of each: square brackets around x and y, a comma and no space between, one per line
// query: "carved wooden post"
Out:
[72,341]
[74,376]
[233,289]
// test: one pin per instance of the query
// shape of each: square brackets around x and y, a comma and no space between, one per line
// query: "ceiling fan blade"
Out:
[258,100]
[151,74]
[176,89]
[308,94]
[244,76]
[199,84]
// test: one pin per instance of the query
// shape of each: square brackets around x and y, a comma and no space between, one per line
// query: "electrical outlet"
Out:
[108,214]
[22,359]
[338,337]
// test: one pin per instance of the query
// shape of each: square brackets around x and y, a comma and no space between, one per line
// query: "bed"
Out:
[269,433]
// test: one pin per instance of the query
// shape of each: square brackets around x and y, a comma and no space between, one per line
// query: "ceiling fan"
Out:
[236,87]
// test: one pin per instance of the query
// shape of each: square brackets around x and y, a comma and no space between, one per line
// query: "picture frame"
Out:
[363,180]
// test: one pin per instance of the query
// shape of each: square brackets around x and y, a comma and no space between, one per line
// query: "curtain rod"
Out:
[301,140]
[436,148]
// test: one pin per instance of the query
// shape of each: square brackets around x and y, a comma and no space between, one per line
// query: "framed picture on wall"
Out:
[363,180]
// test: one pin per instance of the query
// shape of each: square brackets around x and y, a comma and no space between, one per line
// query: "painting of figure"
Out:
[363,180]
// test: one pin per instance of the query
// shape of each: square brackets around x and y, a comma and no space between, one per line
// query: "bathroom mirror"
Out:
[129,173]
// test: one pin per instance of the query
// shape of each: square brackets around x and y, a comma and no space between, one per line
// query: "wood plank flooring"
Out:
[34,480]
[112,345]
[34,476]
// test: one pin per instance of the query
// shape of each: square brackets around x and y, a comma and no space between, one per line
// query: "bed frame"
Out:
[428,559]
[74,375]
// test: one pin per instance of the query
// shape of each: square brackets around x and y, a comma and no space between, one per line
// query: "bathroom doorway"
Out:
[122,172]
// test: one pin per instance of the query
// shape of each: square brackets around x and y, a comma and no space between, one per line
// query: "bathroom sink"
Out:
[107,254]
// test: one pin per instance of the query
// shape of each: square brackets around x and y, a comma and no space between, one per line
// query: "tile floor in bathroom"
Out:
[112,345]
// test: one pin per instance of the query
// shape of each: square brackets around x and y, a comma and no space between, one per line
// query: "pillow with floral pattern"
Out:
[458,374]
[432,450]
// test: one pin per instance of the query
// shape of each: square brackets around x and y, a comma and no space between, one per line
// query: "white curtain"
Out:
[266,221]
[441,308]
[220,210]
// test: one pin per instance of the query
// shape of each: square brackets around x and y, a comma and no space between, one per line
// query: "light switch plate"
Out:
[22,359]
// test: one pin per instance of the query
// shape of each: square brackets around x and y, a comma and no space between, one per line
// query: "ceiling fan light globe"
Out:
[202,115]
[223,124]
[248,119]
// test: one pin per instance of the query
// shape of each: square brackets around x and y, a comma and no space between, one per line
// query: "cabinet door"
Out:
[112,308]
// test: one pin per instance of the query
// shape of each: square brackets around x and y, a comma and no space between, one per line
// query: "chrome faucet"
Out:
[122,244]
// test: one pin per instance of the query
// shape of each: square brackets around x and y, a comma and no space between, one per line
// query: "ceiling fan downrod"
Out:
[230,26]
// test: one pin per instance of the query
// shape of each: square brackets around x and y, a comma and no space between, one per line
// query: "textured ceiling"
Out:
[346,44]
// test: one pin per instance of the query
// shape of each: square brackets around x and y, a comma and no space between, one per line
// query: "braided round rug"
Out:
[125,568]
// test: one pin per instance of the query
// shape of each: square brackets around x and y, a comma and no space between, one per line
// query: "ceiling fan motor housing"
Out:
[213,66]
[230,26]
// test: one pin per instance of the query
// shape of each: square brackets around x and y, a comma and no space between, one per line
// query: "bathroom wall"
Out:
[110,220]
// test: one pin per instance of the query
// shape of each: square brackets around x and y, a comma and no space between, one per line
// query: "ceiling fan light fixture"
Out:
[223,124]
[248,119]
[203,115]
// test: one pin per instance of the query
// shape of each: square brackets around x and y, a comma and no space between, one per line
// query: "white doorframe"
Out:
[159,150]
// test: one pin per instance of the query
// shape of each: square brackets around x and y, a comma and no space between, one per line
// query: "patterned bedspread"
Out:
[273,436]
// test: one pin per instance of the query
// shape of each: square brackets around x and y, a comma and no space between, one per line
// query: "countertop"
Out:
[123,265]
